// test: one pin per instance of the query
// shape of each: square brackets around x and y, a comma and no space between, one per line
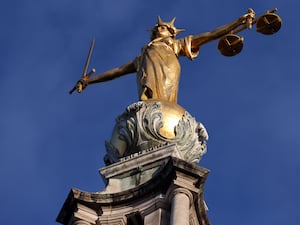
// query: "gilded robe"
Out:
[158,68]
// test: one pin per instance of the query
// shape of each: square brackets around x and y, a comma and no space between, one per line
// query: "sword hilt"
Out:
[84,77]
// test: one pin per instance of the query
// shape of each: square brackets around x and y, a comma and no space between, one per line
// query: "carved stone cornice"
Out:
[153,181]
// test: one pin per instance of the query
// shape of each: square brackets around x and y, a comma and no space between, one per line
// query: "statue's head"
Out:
[164,29]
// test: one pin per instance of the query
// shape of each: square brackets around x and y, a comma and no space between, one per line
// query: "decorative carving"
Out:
[143,125]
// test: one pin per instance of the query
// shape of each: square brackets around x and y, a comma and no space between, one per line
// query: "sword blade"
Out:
[88,58]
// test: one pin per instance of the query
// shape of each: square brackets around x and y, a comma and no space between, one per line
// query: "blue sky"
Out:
[51,141]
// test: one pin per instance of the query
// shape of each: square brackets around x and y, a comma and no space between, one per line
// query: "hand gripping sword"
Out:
[84,74]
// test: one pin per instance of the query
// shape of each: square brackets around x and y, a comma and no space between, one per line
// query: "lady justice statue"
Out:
[156,119]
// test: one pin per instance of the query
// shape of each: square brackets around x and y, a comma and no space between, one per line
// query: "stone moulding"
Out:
[146,197]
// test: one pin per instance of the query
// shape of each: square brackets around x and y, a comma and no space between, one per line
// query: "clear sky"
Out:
[51,141]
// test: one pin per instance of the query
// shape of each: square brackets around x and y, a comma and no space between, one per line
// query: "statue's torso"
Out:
[158,71]
[158,68]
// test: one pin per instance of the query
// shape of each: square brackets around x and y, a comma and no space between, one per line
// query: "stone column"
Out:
[181,200]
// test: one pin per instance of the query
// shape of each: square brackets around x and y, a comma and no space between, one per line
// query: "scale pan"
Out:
[230,45]
[268,24]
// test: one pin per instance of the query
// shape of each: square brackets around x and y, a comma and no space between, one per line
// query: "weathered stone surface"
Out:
[148,124]
[155,197]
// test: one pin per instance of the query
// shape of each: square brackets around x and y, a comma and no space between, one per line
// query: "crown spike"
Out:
[159,21]
[179,31]
[172,22]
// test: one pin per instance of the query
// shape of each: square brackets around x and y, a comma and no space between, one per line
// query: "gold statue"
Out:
[157,119]
[158,68]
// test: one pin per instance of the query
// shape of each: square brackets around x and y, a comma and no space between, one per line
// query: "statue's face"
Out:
[163,31]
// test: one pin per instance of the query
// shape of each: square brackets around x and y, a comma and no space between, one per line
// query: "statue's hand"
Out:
[81,84]
[248,18]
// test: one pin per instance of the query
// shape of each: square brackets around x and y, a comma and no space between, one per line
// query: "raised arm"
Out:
[106,76]
[201,39]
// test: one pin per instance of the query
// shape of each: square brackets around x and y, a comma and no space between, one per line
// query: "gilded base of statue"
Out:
[150,124]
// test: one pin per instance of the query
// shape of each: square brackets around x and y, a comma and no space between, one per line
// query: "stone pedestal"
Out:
[152,187]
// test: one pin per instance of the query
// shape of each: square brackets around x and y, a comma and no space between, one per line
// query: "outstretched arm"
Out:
[204,38]
[106,76]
